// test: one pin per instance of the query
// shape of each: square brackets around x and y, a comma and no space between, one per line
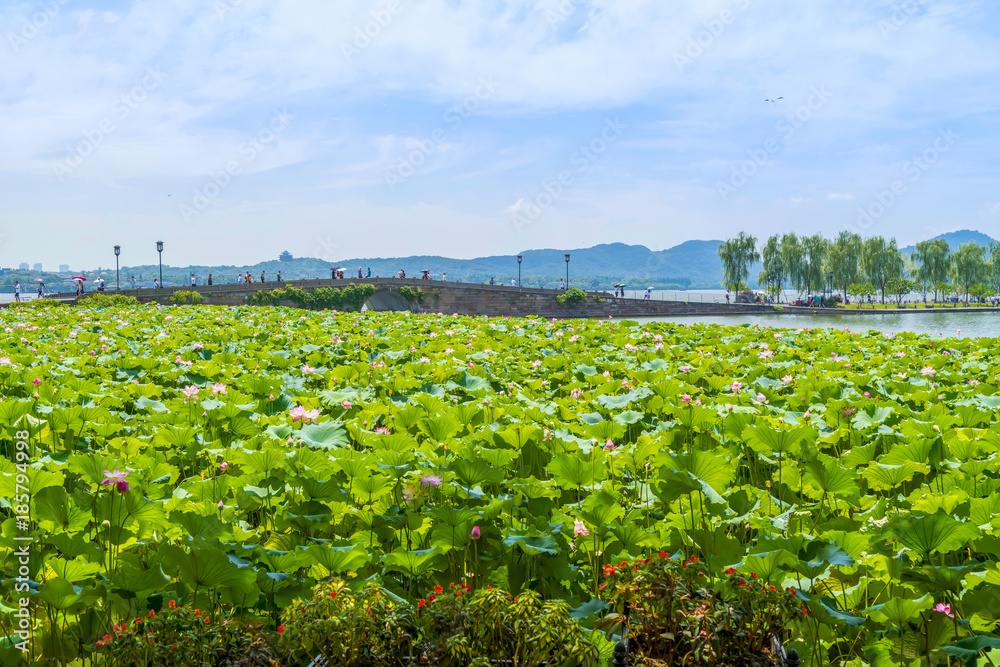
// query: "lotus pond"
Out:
[231,459]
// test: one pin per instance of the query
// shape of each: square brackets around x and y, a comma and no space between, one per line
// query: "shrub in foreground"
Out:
[450,627]
[683,615]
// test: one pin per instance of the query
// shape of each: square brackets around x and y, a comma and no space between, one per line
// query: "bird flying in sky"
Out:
[774,99]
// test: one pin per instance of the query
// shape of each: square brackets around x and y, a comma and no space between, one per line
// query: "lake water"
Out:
[935,323]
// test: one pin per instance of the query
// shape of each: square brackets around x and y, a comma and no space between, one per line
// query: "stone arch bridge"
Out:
[455,297]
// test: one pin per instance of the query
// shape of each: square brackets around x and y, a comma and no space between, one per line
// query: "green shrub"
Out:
[412,294]
[682,613]
[37,303]
[104,300]
[186,296]
[351,297]
[184,636]
[450,626]
[572,297]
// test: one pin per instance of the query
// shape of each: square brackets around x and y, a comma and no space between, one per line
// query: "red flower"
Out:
[663,554]
[152,613]
[438,590]
[281,628]
[333,594]
[197,612]
[753,575]
[99,644]
[693,559]
[171,604]
[731,571]
[431,597]
[804,612]
[422,602]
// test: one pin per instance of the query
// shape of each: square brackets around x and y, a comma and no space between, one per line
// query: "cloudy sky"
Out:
[234,129]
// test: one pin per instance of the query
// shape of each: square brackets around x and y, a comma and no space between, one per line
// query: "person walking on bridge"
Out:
[279,276]
[360,273]
[369,272]
[210,280]
[262,276]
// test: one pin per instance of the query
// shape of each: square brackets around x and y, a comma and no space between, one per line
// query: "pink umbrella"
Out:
[79,278]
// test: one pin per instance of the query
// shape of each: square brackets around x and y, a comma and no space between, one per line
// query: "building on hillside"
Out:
[64,268]
[24,266]
[38,267]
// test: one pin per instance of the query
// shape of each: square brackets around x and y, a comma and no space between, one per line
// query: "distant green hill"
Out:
[956,239]
[692,264]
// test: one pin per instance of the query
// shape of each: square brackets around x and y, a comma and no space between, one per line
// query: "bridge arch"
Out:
[386,300]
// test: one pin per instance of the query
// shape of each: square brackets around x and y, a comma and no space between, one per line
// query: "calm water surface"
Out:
[935,324]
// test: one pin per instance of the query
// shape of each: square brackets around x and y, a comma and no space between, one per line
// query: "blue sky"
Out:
[470,129]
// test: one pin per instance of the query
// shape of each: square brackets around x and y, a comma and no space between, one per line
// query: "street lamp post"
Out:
[118,251]
[567,270]
[159,249]
[519,271]
[829,277]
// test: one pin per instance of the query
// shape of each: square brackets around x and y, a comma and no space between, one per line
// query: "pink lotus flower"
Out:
[475,533]
[867,395]
[219,388]
[221,505]
[685,399]
[944,608]
[300,414]
[122,486]
[580,528]
[431,480]
[37,381]
[346,405]
[609,446]
[308,370]
[223,466]
[190,392]
[787,380]
[928,370]
[113,477]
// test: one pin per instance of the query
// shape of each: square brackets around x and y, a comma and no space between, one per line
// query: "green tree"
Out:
[737,255]
[933,260]
[992,277]
[862,291]
[791,259]
[815,250]
[900,287]
[969,266]
[881,263]
[774,266]
[844,261]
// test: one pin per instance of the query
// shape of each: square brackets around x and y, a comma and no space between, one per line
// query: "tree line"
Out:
[863,267]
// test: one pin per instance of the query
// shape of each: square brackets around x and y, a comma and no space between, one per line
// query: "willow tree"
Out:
[774,266]
[881,263]
[845,260]
[737,255]
[993,267]
[933,260]
[969,266]
[791,259]
[815,249]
